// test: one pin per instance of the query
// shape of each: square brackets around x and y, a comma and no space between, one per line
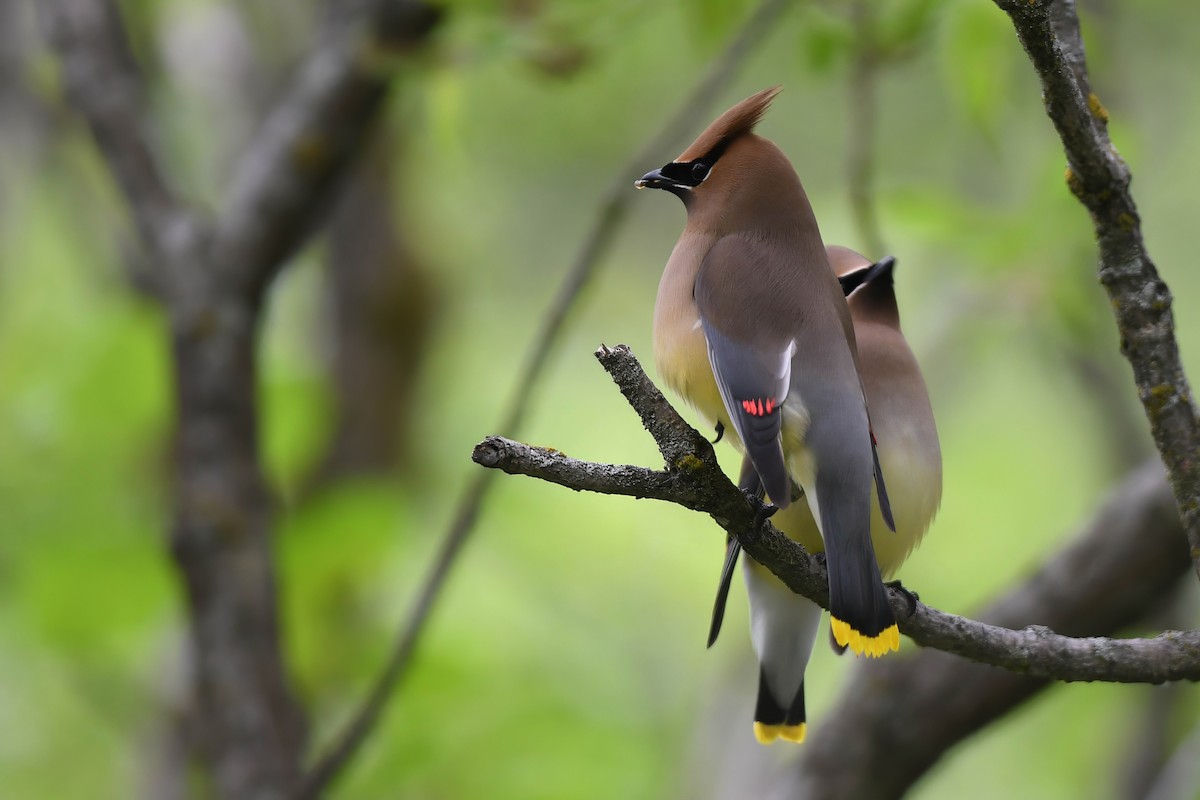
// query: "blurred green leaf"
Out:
[825,39]
[711,21]
[977,60]
[903,27]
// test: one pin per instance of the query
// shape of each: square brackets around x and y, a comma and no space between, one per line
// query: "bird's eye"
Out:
[699,171]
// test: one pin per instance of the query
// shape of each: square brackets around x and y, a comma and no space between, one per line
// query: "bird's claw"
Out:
[762,511]
[720,432]
[909,595]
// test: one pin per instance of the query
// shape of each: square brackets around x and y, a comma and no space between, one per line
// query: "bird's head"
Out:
[718,157]
[868,286]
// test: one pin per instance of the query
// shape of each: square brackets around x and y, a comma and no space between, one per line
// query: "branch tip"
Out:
[488,452]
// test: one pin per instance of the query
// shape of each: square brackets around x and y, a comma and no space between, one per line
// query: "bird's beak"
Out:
[654,179]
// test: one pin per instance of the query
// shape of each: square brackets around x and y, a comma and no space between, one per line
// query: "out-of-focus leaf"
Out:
[825,40]
[903,27]
[977,60]
[711,21]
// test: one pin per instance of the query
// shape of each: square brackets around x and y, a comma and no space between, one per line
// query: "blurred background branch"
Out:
[866,61]
[286,175]
[106,87]
[384,299]
[251,726]
[1117,569]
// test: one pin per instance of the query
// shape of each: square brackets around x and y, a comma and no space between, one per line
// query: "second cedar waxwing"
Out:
[907,442]
[901,415]
[752,329]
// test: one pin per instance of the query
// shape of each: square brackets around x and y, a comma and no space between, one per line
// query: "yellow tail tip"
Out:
[871,646]
[766,734]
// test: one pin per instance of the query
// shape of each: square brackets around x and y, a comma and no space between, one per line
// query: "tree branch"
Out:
[863,111]
[284,178]
[694,480]
[1049,32]
[614,207]
[383,302]
[248,723]
[106,87]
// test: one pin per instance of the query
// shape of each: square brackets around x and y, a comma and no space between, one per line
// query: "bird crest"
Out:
[737,121]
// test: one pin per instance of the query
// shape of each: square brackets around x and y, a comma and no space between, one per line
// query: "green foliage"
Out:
[826,39]
[567,658]
[979,62]
[87,595]
[711,20]
[885,31]
[905,26]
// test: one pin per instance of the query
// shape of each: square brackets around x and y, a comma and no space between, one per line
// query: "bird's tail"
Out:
[860,614]
[772,721]
[858,601]
[783,627]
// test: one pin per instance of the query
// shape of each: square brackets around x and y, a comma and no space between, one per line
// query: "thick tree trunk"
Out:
[250,727]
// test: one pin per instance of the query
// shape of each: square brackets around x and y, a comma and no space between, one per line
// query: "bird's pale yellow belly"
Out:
[681,355]
[914,489]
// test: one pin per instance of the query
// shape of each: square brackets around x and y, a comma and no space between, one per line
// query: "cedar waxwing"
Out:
[752,329]
[907,443]
[902,418]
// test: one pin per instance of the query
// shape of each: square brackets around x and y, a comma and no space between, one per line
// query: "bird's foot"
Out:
[909,595]
[762,511]
[720,432]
